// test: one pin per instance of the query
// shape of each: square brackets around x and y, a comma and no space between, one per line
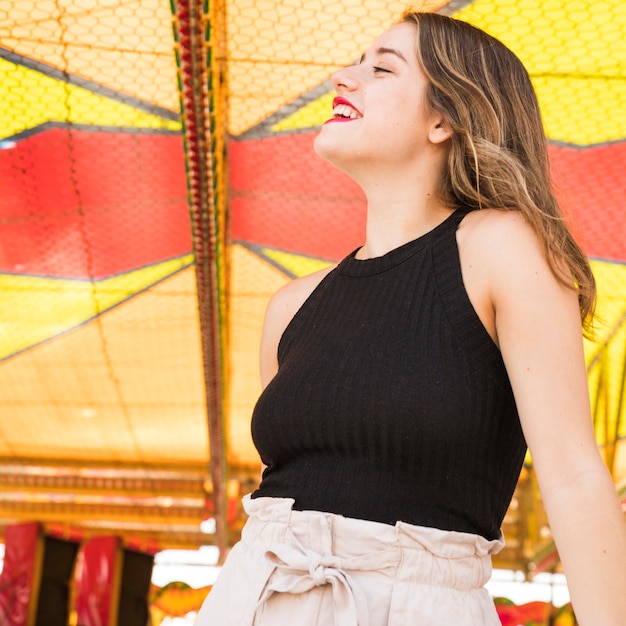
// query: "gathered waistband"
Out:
[315,568]
[433,556]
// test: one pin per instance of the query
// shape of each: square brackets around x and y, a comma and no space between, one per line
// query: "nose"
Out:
[345,78]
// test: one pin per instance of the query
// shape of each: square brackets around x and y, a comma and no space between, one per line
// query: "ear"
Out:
[439,131]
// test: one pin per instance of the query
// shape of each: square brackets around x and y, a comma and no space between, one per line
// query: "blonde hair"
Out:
[498,150]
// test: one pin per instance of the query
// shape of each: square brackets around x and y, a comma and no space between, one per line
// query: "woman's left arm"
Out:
[538,328]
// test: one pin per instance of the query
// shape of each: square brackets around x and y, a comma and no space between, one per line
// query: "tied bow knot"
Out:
[318,573]
[298,570]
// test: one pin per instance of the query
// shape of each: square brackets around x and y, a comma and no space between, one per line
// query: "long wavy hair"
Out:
[498,150]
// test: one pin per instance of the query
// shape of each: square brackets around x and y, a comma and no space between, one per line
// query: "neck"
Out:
[399,209]
[402,203]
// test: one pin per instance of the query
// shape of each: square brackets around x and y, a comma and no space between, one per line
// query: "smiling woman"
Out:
[402,386]
[389,129]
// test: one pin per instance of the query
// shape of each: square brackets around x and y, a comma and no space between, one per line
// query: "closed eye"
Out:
[381,69]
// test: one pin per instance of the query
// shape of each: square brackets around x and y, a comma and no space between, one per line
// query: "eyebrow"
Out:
[383,50]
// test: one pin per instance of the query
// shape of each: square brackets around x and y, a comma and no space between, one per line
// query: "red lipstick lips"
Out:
[341,101]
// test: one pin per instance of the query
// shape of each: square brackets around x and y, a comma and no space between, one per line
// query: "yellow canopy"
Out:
[158,184]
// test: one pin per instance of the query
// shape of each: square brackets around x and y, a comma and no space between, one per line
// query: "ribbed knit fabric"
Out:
[391,402]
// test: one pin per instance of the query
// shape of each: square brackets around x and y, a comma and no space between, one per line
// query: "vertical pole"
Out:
[199,30]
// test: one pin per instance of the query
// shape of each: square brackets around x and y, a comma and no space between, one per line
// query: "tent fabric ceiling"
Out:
[101,359]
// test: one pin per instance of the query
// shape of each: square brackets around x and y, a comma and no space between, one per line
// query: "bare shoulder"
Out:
[496,232]
[501,245]
[283,305]
[502,261]
[290,297]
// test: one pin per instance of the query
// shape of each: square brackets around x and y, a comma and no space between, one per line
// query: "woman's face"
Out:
[379,113]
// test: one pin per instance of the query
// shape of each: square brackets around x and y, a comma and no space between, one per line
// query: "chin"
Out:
[331,150]
[321,144]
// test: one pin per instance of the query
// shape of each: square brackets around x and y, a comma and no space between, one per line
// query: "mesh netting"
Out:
[101,350]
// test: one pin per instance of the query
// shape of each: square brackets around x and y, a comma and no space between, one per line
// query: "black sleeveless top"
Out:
[391,401]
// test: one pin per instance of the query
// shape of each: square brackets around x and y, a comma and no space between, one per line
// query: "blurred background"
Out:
[157,185]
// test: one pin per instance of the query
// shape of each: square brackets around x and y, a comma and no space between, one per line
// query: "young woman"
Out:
[402,386]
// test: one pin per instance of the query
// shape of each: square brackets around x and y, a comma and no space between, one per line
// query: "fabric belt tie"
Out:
[298,570]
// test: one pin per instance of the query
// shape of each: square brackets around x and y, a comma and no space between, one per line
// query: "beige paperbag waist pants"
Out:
[306,568]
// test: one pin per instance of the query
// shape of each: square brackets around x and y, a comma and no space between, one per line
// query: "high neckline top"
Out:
[391,401]
[351,266]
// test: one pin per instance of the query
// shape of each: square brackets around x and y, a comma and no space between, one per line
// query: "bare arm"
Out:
[537,326]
